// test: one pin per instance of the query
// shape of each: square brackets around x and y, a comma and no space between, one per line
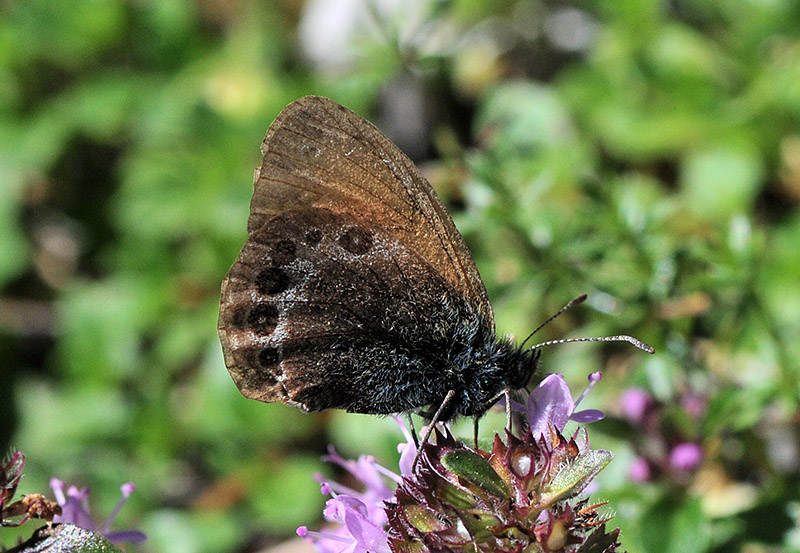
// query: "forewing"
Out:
[318,153]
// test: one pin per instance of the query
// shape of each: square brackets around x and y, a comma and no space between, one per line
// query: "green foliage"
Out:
[654,165]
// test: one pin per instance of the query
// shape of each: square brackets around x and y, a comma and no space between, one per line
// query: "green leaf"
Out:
[721,182]
[476,470]
[14,253]
[675,526]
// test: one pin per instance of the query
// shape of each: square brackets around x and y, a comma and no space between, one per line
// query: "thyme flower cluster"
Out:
[523,495]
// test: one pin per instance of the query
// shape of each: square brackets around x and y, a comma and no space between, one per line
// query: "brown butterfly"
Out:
[354,289]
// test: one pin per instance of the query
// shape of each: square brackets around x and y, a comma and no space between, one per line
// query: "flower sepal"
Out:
[471,467]
[600,542]
[573,477]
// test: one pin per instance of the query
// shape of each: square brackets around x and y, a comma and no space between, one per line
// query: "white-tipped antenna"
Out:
[577,301]
[619,338]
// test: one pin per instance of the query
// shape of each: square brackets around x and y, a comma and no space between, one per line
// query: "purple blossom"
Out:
[685,457]
[360,515]
[635,402]
[669,450]
[551,403]
[75,510]
[640,470]
[694,404]
[407,449]
[360,530]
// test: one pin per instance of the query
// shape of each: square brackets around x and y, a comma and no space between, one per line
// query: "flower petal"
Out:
[549,403]
[369,536]
[635,402]
[686,457]
[407,450]
[587,415]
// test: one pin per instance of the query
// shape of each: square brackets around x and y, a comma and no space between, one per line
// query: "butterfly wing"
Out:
[353,278]
[319,153]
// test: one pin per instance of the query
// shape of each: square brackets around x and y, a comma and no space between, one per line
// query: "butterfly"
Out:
[354,289]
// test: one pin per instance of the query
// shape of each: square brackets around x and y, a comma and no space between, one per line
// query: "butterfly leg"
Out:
[427,432]
[475,431]
[413,430]
[507,393]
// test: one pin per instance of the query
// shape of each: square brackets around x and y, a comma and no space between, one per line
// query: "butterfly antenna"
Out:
[619,338]
[577,301]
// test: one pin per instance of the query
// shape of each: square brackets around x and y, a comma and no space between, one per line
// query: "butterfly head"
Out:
[522,370]
[508,367]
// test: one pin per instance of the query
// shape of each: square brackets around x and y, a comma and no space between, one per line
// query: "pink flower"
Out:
[685,457]
[551,403]
[75,510]
[640,470]
[635,403]
[361,515]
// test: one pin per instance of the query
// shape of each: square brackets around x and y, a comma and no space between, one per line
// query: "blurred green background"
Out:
[644,152]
